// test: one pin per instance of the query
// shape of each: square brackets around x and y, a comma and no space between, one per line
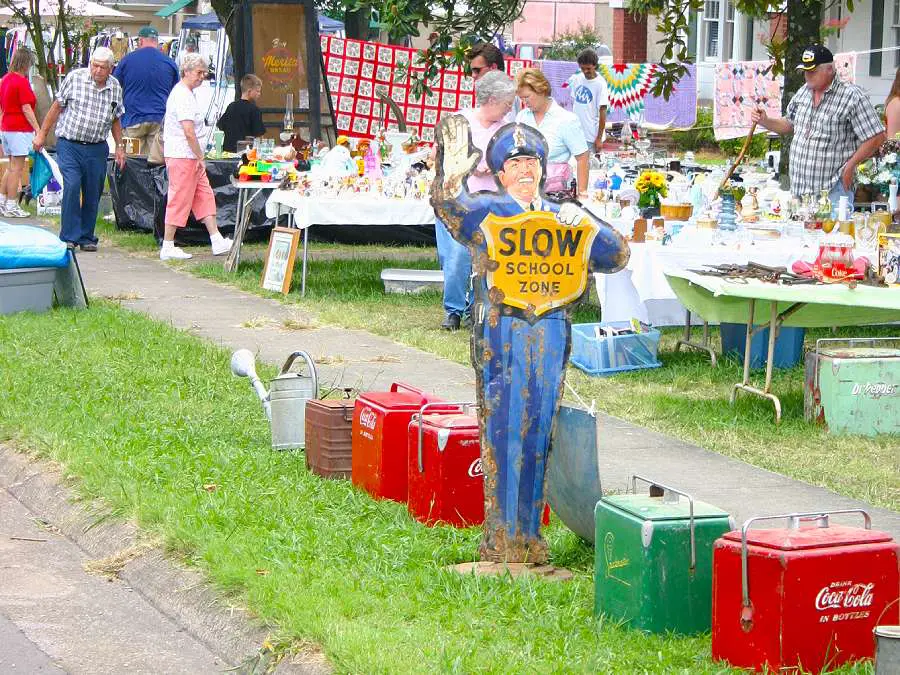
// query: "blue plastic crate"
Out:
[597,354]
[788,345]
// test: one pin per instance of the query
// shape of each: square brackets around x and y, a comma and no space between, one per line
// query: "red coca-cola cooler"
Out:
[446,484]
[379,452]
[808,595]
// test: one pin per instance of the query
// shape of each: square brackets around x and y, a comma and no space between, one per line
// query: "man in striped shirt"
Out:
[834,125]
[88,106]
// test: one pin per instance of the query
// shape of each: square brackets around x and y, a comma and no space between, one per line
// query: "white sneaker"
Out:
[221,246]
[174,253]
[15,212]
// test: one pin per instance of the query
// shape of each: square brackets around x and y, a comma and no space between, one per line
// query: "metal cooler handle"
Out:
[795,519]
[849,341]
[397,386]
[458,404]
[634,480]
[309,364]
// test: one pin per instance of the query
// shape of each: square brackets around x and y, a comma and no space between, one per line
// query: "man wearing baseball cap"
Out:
[835,127]
[147,77]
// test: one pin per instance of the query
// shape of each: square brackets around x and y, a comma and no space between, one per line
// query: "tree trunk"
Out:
[229,10]
[356,23]
[804,21]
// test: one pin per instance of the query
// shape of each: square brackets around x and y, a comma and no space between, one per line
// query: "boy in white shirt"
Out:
[589,99]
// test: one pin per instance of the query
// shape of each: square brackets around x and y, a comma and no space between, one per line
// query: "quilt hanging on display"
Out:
[628,86]
[742,85]
[359,71]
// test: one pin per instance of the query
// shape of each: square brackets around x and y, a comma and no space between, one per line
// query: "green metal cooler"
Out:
[653,558]
[854,388]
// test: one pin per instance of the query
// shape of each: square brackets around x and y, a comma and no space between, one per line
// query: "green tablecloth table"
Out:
[766,305]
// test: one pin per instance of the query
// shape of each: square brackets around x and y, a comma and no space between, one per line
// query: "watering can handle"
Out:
[445,404]
[309,364]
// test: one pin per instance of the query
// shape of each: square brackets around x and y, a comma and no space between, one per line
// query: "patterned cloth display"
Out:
[629,86]
[742,85]
[359,71]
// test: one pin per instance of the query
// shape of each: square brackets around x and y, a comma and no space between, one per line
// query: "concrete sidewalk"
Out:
[219,313]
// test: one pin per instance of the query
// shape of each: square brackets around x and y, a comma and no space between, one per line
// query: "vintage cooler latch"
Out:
[795,520]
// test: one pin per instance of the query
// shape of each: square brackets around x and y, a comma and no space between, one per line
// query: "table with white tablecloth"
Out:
[641,290]
[354,210]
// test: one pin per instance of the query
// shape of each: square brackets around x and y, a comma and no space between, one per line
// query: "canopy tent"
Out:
[84,8]
[210,21]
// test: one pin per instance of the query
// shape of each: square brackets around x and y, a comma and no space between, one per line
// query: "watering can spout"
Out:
[243,364]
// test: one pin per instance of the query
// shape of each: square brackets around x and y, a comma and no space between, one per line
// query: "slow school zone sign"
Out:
[537,263]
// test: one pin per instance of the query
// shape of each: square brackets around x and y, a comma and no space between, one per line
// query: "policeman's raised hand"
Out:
[457,162]
[570,214]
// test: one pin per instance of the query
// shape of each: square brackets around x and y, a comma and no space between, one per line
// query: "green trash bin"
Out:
[653,558]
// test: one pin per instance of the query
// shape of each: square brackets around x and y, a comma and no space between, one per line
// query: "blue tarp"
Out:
[210,21]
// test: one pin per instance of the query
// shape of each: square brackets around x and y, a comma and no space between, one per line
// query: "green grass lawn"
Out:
[151,421]
[686,398]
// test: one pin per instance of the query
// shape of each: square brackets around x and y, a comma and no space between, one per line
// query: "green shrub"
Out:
[698,137]
[701,137]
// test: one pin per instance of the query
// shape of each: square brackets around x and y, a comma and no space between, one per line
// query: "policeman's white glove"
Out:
[457,162]
[571,214]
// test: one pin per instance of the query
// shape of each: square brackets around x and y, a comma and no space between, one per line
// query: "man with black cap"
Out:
[530,265]
[835,127]
[147,77]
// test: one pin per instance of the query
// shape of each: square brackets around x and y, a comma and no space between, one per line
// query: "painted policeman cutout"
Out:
[531,257]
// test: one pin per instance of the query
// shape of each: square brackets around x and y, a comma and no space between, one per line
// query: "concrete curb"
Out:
[179,593]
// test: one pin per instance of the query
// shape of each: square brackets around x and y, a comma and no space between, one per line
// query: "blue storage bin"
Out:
[788,345]
[601,355]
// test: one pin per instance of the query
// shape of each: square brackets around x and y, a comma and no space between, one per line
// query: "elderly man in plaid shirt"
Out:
[88,106]
[835,128]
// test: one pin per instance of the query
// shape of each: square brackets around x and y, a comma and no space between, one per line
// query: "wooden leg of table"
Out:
[774,321]
[303,277]
[701,346]
[234,255]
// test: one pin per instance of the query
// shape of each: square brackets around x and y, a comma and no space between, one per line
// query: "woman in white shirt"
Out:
[561,128]
[189,188]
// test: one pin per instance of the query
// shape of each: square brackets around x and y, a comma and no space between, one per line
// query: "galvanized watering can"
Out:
[285,402]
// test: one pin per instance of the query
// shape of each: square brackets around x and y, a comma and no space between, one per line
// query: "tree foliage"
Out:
[64,32]
[568,44]
[804,26]
[453,26]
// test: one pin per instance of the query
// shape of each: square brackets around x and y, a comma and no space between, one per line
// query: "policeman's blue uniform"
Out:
[519,361]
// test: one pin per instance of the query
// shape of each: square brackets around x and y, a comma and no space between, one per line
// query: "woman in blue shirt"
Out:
[560,127]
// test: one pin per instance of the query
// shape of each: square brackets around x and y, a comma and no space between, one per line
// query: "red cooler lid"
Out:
[450,421]
[786,539]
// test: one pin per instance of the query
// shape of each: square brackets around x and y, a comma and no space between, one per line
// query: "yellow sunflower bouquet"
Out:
[651,185]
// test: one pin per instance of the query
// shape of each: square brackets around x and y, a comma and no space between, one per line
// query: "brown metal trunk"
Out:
[329,426]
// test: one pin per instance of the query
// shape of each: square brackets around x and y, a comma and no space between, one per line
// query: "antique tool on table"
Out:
[740,156]
[752,270]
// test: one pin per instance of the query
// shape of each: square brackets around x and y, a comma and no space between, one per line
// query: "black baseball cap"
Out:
[815,55]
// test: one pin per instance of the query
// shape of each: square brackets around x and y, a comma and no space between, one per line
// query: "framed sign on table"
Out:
[279,264]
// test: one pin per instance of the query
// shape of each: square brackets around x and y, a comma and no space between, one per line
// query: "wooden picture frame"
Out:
[279,263]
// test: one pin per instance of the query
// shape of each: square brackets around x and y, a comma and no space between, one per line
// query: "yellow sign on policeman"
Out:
[541,264]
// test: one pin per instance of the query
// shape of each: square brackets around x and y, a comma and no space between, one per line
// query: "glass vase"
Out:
[727,214]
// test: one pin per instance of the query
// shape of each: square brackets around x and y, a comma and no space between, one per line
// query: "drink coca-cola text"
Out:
[368,418]
[852,596]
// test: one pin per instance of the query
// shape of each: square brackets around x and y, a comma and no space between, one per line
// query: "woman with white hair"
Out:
[88,107]
[189,188]
[494,95]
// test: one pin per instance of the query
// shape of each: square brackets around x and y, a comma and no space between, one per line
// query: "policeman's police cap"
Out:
[515,140]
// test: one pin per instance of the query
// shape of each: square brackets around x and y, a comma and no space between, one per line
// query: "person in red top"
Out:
[17,128]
